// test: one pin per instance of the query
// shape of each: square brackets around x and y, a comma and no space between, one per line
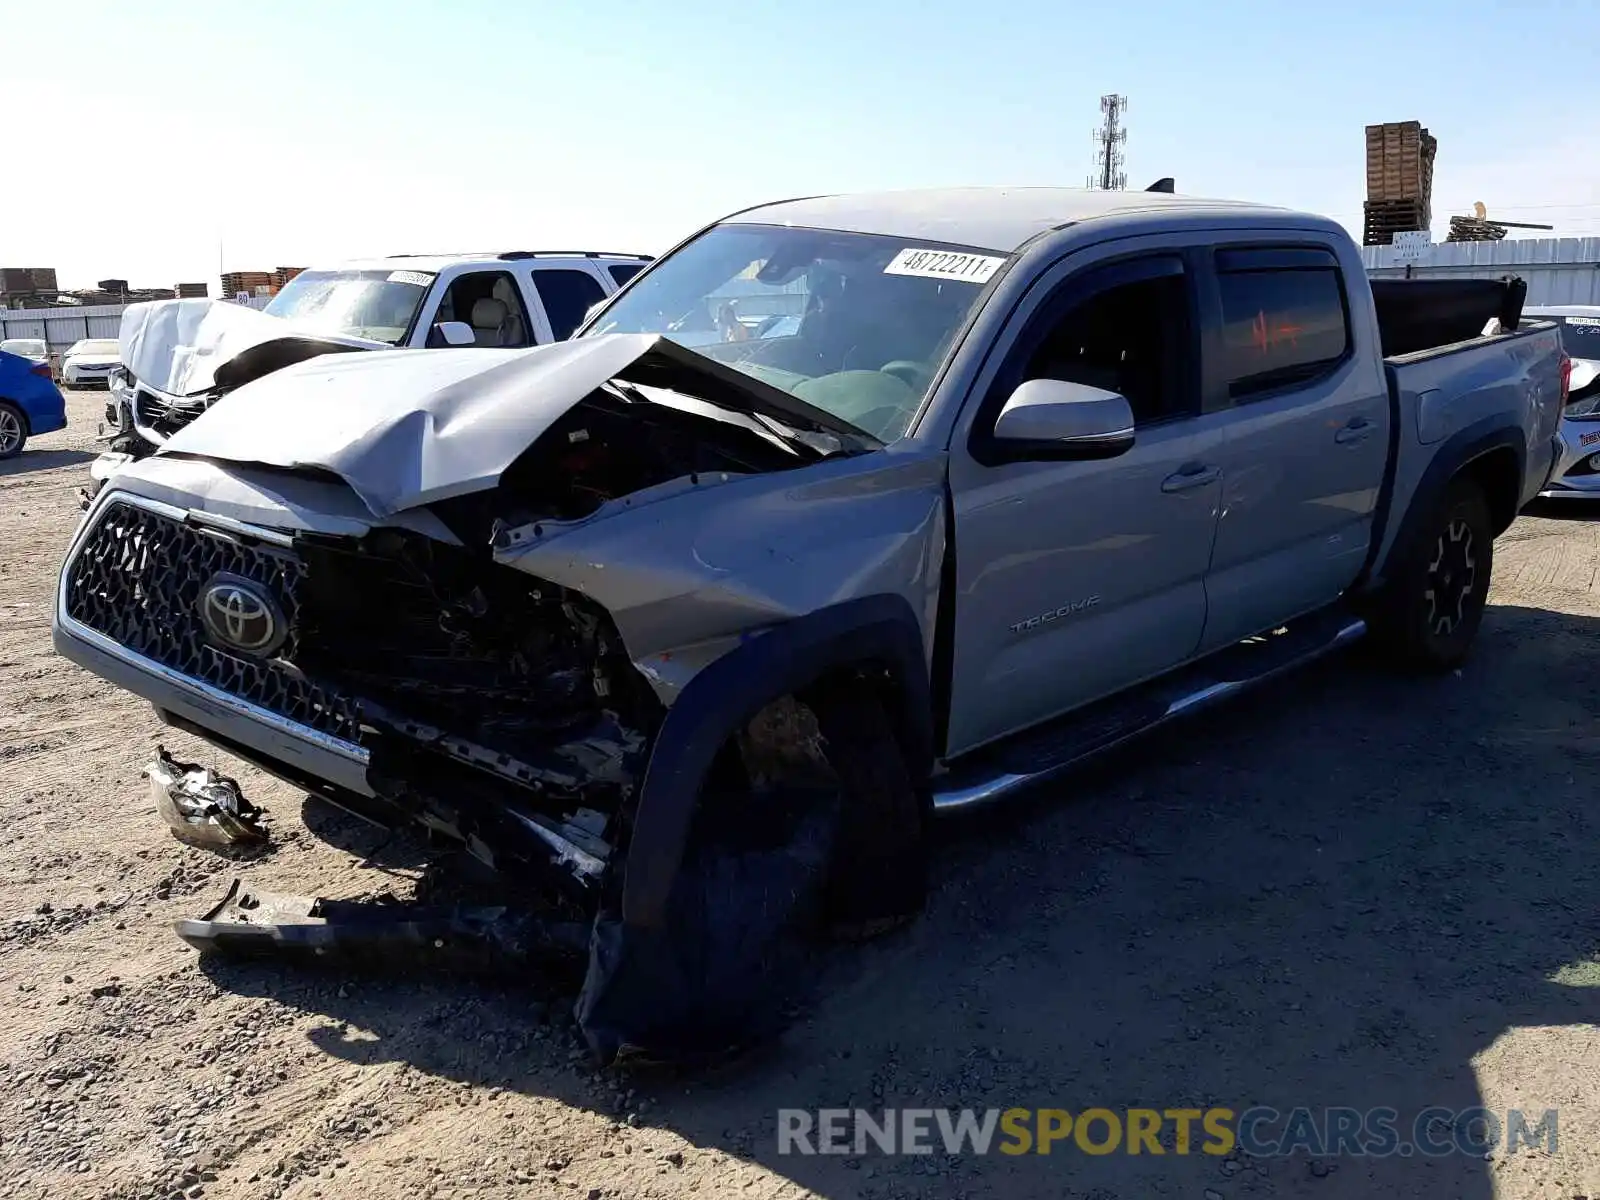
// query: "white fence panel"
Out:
[61,326]
[1558,270]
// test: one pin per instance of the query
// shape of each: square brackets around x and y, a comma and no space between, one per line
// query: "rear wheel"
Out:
[1435,604]
[13,430]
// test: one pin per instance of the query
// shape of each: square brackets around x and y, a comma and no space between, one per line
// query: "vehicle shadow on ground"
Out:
[1338,892]
[43,460]
[1562,510]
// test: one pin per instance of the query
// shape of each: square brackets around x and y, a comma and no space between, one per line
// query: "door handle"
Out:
[1359,429]
[1192,476]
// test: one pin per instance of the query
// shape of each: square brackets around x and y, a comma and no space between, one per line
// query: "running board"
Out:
[1025,760]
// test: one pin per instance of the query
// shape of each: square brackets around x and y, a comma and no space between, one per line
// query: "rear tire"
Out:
[13,430]
[1431,612]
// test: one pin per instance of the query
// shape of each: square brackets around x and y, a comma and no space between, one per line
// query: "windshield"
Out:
[94,346]
[370,304]
[855,324]
[26,347]
[1580,336]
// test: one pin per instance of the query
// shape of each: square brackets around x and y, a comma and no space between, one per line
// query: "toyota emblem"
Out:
[241,615]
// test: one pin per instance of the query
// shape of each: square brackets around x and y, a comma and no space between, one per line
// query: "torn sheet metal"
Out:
[490,938]
[405,429]
[202,807]
[178,346]
[265,498]
[713,566]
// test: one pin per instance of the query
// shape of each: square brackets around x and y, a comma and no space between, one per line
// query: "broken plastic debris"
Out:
[202,807]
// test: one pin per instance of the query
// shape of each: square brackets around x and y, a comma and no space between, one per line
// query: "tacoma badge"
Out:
[1055,614]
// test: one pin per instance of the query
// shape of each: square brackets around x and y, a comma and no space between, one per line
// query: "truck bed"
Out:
[1421,314]
[1452,393]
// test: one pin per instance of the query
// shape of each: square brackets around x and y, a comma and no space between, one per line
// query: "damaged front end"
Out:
[642,737]
[495,709]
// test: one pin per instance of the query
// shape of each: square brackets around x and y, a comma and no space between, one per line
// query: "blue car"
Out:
[30,403]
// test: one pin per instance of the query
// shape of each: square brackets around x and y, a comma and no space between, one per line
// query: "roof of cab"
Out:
[992,218]
[438,262]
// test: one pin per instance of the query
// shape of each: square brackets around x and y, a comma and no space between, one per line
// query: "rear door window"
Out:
[566,295]
[1285,320]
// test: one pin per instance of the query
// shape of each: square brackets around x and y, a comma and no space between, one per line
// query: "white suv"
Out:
[181,356]
[517,298]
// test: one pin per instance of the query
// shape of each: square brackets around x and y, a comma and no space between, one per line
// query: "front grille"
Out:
[152,412]
[137,580]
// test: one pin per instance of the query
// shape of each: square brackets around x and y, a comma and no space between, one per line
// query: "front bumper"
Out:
[227,719]
[1574,477]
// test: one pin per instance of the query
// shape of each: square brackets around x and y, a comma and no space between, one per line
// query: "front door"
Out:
[1077,579]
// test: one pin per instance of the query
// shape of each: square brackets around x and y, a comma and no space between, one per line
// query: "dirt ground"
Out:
[1349,890]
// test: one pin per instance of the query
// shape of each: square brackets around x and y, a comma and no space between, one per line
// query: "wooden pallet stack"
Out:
[1474,229]
[282,276]
[1400,158]
[234,282]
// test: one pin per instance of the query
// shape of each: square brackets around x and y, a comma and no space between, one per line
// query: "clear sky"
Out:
[141,136]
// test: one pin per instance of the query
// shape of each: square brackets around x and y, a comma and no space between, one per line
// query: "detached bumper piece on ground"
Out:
[720,974]
[252,924]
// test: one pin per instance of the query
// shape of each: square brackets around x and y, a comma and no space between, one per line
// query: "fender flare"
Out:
[1454,455]
[877,630]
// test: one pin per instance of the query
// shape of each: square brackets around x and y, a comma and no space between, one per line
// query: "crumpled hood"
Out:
[179,346]
[404,428]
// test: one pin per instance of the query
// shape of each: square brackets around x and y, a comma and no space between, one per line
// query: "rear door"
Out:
[1307,439]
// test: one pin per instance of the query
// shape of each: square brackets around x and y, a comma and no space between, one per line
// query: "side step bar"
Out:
[1037,756]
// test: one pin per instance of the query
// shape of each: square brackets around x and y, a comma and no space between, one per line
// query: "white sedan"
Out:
[89,363]
[32,349]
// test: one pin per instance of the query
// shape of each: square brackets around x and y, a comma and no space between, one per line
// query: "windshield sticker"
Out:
[419,278]
[1586,322]
[944,264]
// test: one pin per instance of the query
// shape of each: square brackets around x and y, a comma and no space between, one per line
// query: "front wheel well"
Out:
[899,702]
[1499,475]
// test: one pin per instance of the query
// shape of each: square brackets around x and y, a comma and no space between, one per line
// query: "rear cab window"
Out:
[1285,317]
[567,295]
[622,272]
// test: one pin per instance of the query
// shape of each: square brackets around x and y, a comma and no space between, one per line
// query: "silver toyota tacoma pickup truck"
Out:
[971,484]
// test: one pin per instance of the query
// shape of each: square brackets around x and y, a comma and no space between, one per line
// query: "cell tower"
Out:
[1109,140]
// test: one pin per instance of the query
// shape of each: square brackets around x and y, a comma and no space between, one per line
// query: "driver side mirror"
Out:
[1048,420]
[452,333]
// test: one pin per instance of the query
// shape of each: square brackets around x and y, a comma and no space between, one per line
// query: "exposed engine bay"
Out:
[497,707]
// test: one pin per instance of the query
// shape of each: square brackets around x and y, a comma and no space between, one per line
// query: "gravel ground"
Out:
[1348,890]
